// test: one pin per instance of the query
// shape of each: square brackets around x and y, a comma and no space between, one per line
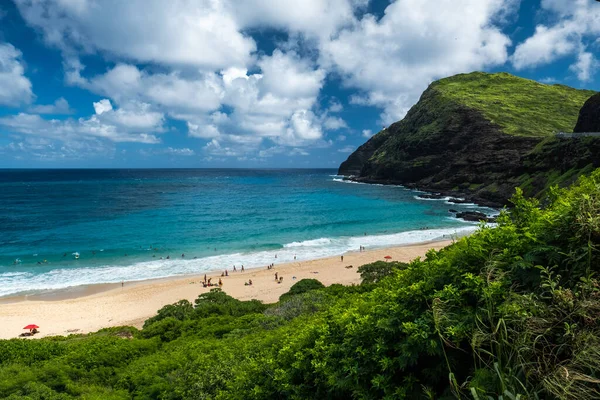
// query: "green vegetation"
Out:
[510,312]
[519,106]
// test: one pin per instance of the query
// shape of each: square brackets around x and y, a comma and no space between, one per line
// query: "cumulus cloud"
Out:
[199,33]
[15,88]
[367,133]
[134,123]
[584,66]
[60,106]
[394,58]
[334,123]
[195,61]
[571,27]
[346,149]
[51,150]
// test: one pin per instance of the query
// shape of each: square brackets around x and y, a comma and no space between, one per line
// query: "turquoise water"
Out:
[122,222]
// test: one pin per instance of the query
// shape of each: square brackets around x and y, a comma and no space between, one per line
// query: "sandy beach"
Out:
[90,308]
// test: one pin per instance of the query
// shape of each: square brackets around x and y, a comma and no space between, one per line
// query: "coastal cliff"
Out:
[479,136]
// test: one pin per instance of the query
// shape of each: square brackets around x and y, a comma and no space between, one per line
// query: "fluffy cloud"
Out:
[334,123]
[393,59]
[60,106]
[130,124]
[49,150]
[126,82]
[346,149]
[573,25]
[15,88]
[315,18]
[198,33]
[584,66]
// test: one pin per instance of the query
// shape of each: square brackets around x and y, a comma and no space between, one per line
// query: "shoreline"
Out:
[88,308]
[478,201]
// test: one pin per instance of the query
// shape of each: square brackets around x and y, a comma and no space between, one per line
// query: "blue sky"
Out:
[255,83]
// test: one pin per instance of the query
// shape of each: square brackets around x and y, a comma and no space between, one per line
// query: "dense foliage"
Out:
[509,312]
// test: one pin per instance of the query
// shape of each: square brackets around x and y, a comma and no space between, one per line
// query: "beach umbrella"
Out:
[387,258]
[31,326]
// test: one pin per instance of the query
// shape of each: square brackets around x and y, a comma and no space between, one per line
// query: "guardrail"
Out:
[577,134]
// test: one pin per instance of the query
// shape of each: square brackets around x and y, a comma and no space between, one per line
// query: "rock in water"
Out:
[589,116]
[475,216]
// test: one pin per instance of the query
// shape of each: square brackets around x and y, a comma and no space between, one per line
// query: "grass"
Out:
[521,107]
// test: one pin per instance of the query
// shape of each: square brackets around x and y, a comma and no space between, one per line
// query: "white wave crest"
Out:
[62,278]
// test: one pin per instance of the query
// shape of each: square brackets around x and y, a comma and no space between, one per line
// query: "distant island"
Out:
[480,135]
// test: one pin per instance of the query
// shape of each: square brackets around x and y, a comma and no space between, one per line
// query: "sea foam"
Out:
[63,278]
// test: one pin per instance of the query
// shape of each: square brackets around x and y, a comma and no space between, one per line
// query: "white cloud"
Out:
[303,127]
[102,106]
[60,106]
[393,59]
[133,123]
[126,82]
[585,66]
[367,133]
[335,106]
[574,23]
[50,150]
[314,18]
[346,149]
[199,33]
[287,75]
[171,151]
[334,123]
[15,88]
[341,138]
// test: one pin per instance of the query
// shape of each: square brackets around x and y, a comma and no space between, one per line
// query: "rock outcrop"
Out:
[589,116]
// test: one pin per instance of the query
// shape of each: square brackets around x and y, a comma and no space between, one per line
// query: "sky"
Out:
[256,83]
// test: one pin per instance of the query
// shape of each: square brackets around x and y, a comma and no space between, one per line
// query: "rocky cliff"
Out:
[589,116]
[479,136]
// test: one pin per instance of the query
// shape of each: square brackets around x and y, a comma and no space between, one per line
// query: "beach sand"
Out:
[90,308]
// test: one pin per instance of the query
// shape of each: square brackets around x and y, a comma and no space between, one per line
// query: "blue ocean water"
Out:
[125,223]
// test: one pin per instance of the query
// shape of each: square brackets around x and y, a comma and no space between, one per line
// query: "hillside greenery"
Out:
[510,312]
[521,107]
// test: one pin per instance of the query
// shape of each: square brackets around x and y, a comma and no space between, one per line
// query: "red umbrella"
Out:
[31,326]
[388,257]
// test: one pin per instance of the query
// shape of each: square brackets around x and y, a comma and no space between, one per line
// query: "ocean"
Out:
[64,228]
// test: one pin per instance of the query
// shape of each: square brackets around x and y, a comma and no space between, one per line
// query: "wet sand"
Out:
[86,309]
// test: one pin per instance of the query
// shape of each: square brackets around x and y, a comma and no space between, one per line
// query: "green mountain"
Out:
[479,136]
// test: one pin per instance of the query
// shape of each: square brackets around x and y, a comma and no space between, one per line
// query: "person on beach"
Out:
[342,258]
[122,283]
[226,273]
[242,267]
[209,283]
[234,270]
[275,275]
[220,282]
[280,279]
[204,278]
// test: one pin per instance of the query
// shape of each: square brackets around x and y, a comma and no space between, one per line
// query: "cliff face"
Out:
[589,116]
[454,144]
